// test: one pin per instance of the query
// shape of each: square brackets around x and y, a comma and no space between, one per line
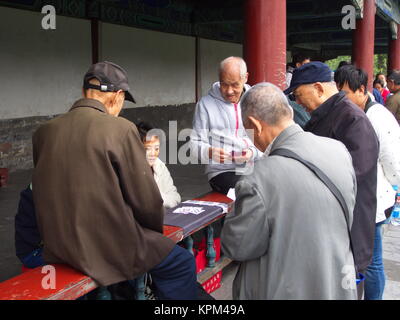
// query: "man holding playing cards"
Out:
[219,138]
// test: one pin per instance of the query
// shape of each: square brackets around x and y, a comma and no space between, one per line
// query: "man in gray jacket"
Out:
[218,138]
[288,231]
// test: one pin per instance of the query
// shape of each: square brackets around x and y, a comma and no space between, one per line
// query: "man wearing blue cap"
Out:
[333,115]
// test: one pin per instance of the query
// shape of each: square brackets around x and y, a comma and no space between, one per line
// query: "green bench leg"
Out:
[103,294]
[211,254]
[140,287]
[188,241]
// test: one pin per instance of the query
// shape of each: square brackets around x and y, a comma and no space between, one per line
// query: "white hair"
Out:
[266,102]
[236,60]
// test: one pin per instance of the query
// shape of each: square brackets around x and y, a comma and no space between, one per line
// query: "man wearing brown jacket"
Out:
[393,102]
[97,204]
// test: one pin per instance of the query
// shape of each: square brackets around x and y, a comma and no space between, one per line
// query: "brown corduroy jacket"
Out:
[393,104]
[97,204]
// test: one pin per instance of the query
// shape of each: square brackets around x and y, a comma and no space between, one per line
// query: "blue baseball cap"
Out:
[312,72]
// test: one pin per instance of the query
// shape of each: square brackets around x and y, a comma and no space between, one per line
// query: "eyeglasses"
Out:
[295,95]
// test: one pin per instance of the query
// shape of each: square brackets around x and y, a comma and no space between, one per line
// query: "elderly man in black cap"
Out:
[97,204]
[333,115]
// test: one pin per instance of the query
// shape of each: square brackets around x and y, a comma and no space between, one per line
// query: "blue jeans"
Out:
[34,259]
[375,275]
[175,277]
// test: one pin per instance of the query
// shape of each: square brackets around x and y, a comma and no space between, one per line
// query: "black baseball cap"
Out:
[111,77]
[312,72]
[394,76]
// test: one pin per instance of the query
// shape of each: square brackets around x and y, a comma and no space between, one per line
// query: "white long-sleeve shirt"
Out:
[388,132]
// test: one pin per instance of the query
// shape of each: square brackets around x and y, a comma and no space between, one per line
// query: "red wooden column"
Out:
[94,23]
[363,41]
[394,52]
[264,47]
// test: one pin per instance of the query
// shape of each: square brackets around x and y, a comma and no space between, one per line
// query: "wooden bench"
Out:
[72,284]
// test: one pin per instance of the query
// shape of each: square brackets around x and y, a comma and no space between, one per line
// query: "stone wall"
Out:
[16,134]
[16,142]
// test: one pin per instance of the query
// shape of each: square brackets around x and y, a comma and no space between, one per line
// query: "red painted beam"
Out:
[94,26]
[265,41]
[394,52]
[363,41]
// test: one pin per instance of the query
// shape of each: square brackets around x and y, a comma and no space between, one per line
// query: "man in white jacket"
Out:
[219,138]
[354,82]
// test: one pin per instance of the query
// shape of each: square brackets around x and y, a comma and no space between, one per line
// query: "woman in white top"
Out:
[163,178]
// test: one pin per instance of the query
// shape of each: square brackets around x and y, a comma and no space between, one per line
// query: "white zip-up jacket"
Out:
[388,133]
[165,184]
[218,123]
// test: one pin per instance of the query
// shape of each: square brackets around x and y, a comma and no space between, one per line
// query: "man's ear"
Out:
[320,88]
[256,125]
[362,90]
[246,77]
[116,97]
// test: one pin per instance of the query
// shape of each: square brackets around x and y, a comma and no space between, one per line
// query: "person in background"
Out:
[343,63]
[379,84]
[298,60]
[377,92]
[354,83]
[300,115]
[382,77]
[162,176]
[393,102]
[28,242]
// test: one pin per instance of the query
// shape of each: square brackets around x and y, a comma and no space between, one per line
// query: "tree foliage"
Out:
[380,63]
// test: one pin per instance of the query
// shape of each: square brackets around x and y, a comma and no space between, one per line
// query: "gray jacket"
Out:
[288,230]
[218,123]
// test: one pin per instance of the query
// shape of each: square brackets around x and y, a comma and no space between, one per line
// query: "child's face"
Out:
[152,148]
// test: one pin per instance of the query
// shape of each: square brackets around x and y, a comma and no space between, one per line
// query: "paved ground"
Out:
[391,256]
[190,182]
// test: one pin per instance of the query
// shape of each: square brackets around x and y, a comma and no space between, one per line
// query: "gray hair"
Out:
[266,102]
[238,61]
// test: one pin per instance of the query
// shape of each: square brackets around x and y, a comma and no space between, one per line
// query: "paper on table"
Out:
[231,194]
[187,210]
[223,206]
